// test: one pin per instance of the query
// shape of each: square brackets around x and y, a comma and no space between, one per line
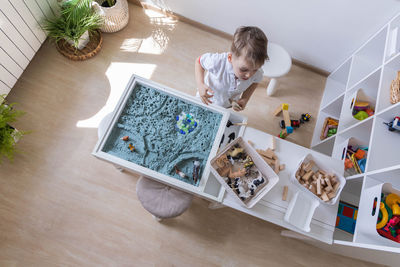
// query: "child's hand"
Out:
[239,105]
[205,94]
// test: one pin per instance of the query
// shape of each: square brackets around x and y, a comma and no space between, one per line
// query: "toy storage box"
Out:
[321,165]
[266,171]
[366,230]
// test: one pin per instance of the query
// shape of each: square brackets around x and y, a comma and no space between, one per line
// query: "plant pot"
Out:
[115,17]
[83,40]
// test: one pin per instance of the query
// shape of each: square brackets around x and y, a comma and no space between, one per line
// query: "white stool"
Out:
[278,65]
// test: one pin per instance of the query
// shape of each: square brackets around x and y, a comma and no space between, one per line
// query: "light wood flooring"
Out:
[60,206]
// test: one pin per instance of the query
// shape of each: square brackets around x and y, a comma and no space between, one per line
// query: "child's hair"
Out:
[253,42]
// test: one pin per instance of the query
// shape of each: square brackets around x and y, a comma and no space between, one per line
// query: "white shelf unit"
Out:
[366,75]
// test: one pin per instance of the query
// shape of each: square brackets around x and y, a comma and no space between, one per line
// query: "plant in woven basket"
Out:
[8,135]
[77,19]
[108,3]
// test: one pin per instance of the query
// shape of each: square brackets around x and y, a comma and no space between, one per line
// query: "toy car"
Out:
[294,124]
[394,125]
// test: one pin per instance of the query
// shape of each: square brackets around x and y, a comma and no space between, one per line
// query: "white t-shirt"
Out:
[221,78]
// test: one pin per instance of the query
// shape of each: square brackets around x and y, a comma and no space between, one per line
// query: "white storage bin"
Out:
[322,166]
[266,171]
[366,220]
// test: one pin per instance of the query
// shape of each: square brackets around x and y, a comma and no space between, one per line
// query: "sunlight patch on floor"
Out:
[118,75]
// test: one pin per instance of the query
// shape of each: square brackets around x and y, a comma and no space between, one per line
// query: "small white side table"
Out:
[278,65]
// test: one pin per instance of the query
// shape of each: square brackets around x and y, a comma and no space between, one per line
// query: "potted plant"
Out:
[9,136]
[115,14]
[76,22]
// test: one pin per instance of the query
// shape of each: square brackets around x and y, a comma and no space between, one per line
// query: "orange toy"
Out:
[348,164]
[359,154]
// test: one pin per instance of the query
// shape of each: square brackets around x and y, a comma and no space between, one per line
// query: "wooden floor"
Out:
[61,206]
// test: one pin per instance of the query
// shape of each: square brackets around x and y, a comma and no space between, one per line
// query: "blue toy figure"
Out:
[185,123]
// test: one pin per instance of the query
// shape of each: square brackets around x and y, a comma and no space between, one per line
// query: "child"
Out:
[232,77]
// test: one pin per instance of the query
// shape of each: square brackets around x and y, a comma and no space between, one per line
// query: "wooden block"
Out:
[286,118]
[298,177]
[324,196]
[319,187]
[273,143]
[285,106]
[285,191]
[322,172]
[302,172]
[266,153]
[268,160]
[282,167]
[307,175]
[331,195]
[335,187]
[328,182]
[250,143]
[276,166]
[313,188]
[322,181]
[314,177]
[278,111]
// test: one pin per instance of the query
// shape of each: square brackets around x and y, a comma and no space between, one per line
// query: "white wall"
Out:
[322,33]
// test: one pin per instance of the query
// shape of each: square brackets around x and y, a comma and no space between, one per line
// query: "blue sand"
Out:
[149,119]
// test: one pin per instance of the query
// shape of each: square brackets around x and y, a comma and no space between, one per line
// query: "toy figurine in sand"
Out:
[180,173]
[196,170]
[125,138]
[131,147]
[185,123]
[240,173]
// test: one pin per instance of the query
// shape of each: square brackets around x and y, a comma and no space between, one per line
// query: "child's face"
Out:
[242,67]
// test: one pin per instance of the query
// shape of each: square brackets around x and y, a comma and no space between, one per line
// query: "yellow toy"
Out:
[385,217]
[393,201]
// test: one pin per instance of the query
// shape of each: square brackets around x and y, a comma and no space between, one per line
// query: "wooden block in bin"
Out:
[277,169]
[319,187]
[324,196]
[307,175]
[331,195]
[285,191]
[281,167]
[267,153]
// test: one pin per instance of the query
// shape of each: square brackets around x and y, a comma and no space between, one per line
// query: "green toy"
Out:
[361,115]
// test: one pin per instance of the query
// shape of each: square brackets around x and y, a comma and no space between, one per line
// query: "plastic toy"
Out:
[125,138]
[305,117]
[348,164]
[293,123]
[131,147]
[359,154]
[361,115]
[361,106]
[394,125]
[196,170]
[179,172]
[346,217]
[385,216]
[388,224]
[231,137]
[329,124]
[185,123]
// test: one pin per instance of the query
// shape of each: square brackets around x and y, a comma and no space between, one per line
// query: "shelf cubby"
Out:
[335,107]
[390,70]
[351,195]
[368,58]
[385,145]
[393,42]
[365,90]
[336,83]
[318,127]
[326,146]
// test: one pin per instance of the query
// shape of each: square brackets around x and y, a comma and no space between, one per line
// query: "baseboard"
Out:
[218,32]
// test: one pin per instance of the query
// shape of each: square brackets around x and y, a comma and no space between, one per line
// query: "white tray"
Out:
[325,168]
[262,166]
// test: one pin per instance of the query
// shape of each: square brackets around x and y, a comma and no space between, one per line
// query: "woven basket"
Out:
[90,50]
[115,18]
[395,90]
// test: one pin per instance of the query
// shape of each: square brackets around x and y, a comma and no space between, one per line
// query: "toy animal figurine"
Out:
[235,152]
[231,137]
[125,138]
[131,147]
[179,172]
[196,170]
[236,174]
[248,162]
